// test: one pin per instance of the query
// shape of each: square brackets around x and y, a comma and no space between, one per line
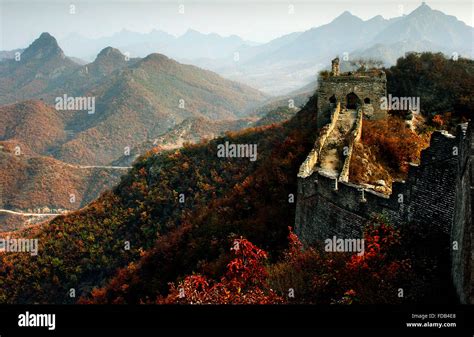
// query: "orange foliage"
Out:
[446,121]
[386,148]
[395,143]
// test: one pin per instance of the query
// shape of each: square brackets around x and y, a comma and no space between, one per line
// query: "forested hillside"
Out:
[179,212]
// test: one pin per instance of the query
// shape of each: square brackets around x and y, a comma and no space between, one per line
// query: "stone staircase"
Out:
[331,157]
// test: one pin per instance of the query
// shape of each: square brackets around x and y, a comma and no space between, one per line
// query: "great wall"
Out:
[437,194]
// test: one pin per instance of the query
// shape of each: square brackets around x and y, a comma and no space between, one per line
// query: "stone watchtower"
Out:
[352,90]
[335,67]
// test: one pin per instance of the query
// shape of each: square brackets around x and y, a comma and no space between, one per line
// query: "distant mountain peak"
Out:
[192,32]
[422,9]
[376,18]
[347,16]
[424,5]
[45,36]
[110,53]
[108,60]
[154,59]
[45,46]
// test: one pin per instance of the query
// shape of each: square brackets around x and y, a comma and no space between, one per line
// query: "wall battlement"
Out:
[364,89]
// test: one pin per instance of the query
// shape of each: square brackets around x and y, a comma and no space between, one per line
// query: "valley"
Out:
[51,151]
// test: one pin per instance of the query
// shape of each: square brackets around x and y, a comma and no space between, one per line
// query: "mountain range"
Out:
[47,154]
[46,147]
[135,98]
[291,61]
[191,43]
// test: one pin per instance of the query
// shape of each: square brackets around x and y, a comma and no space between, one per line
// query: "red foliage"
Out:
[244,282]
[378,264]
[438,120]
[328,278]
[446,121]
[295,247]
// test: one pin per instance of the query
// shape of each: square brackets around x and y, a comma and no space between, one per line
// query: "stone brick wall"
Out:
[371,87]
[461,231]
[470,230]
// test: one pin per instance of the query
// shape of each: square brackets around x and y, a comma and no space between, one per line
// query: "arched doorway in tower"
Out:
[352,101]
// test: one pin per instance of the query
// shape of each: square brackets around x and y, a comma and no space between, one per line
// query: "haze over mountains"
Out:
[291,61]
[192,44]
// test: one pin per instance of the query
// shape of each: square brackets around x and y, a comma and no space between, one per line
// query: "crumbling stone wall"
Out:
[307,167]
[436,194]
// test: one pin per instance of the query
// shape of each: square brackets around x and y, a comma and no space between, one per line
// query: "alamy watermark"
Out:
[400,103]
[66,102]
[37,320]
[19,245]
[229,150]
[339,245]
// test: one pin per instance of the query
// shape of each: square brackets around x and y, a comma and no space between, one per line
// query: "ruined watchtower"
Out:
[363,88]
[437,194]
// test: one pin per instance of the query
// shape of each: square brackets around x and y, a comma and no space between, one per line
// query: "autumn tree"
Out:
[245,282]
[322,277]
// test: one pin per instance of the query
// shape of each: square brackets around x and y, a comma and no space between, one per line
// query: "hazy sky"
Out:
[22,21]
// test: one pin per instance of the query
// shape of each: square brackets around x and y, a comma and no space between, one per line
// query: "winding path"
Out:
[28,214]
[100,167]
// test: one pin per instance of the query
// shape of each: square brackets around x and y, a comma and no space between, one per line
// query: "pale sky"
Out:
[22,21]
